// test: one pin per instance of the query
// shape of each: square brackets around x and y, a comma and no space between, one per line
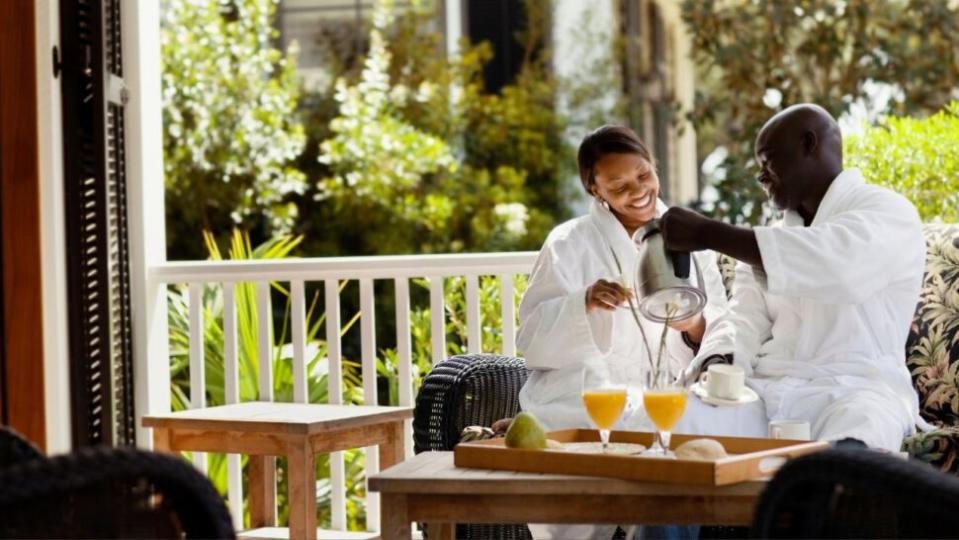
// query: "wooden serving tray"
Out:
[748,459]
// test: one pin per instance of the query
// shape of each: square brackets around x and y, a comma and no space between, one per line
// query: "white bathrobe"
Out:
[556,334]
[823,332]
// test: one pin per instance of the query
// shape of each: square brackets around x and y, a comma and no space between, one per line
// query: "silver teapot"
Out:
[664,287]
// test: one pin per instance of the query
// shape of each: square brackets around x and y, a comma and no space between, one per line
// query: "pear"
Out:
[526,432]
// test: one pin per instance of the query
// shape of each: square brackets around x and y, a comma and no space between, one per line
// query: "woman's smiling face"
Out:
[630,185]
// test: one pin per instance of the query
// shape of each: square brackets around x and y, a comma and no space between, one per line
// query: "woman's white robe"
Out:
[557,336]
[822,333]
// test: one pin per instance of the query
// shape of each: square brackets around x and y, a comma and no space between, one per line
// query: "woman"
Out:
[569,313]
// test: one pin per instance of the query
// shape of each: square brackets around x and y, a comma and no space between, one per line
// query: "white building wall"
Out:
[584,39]
[685,184]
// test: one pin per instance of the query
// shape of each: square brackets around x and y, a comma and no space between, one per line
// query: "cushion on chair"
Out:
[932,350]
[939,448]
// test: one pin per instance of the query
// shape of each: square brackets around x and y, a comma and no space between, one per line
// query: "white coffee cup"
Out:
[797,430]
[724,381]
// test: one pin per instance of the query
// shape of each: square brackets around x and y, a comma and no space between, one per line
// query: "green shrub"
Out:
[231,129]
[755,58]
[917,157]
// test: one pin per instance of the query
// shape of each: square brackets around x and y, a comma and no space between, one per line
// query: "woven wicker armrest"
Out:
[15,449]
[110,493]
[467,390]
[858,493]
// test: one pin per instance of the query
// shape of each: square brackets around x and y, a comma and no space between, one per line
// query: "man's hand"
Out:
[683,230]
[605,295]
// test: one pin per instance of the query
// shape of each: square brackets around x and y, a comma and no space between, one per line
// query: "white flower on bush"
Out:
[513,216]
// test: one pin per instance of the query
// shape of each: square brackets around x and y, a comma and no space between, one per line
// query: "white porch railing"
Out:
[331,271]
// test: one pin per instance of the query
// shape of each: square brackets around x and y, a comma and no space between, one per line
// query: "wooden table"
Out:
[293,430]
[430,489]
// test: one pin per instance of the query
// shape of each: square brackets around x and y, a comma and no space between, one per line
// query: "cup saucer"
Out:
[746,396]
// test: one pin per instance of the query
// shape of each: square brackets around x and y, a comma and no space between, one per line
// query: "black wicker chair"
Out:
[464,391]
[857,493]
[15,448]
[109,493]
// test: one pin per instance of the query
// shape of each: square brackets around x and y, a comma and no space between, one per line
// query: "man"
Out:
[822,303]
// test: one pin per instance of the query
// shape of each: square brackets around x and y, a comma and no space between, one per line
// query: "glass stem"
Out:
[664,437]
[604,438]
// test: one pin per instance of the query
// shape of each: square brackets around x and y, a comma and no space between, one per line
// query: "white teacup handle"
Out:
[777,432]
[704,378]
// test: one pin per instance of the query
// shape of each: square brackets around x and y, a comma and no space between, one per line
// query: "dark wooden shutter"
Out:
[3,340]
[101,362]
[498,21]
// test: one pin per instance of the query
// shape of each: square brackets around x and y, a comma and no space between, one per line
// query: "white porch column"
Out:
[685,179]
[454,26]
[53,248]
[140,22]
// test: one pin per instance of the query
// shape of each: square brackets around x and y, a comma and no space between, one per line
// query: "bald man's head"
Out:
[799,152]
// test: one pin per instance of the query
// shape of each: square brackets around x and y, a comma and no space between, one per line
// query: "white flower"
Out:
[514,216]
[772,98]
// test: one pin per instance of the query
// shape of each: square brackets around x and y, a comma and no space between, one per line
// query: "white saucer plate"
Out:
[747,396]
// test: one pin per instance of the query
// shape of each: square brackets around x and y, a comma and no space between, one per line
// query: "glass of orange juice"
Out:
[603,400]
[664,399]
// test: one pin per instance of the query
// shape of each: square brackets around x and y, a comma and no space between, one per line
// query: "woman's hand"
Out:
[694,327]
[606,295]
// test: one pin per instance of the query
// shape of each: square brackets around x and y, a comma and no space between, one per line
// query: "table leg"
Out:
[394,520]
[162,440]
[391,451]
[262,491]
[302,492]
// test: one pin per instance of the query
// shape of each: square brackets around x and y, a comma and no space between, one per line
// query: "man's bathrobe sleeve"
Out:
[846,258]
[555,331]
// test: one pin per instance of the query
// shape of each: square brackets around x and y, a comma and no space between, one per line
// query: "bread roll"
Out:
[701,449]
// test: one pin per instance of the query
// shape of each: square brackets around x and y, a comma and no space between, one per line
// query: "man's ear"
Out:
[809,142]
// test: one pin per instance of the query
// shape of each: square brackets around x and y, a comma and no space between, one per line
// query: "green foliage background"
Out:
[821,51]
[918,158]
[406,151]
[403,136]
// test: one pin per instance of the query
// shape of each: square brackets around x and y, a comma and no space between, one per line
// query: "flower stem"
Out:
[633,309]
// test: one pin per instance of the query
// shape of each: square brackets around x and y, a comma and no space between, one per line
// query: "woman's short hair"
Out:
[607,140]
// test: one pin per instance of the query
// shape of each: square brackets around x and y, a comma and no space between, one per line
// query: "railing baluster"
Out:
[298,323]
[231,385]
[368,354]
[404,357]
[197,373]
[437,319]
[264,326]
[335,390]
[508,311]
[264,321]
[473,336]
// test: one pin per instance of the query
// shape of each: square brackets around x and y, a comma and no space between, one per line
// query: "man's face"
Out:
[780,173]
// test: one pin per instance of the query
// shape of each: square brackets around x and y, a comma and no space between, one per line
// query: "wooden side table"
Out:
[295,431]
[429,489]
